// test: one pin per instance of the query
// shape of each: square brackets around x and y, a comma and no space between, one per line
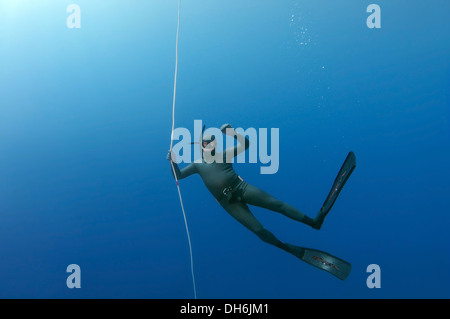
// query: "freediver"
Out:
[234,195]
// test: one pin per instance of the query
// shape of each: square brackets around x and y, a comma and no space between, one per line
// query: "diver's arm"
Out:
[243,141]
[180,174]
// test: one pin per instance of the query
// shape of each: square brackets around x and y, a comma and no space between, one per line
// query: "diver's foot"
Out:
[318,221]
[298,252]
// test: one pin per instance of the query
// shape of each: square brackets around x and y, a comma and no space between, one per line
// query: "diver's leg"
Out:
[255,196]
[242,214]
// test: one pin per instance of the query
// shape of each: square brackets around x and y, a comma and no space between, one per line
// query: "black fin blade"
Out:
[332,264]
[344,173]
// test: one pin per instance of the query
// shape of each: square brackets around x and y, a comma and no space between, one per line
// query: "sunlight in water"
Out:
[10,8]
[12,11]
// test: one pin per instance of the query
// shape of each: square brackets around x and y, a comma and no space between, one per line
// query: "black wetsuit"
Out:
[234,195]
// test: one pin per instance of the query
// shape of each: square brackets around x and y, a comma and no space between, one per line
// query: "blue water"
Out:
[85,120]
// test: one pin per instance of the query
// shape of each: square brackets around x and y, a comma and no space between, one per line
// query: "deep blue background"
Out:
[85,119]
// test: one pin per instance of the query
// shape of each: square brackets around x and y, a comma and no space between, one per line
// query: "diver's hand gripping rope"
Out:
[171,144]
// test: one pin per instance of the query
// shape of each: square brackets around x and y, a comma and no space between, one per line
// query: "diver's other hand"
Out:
[171,156]
[227,129]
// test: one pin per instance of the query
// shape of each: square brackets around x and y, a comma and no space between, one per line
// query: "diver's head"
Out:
[208,144]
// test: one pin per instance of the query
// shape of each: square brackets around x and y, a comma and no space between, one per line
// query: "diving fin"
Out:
[339,182]
[322,260]
[332,264]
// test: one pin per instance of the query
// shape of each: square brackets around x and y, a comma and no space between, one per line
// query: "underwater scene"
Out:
[168,149]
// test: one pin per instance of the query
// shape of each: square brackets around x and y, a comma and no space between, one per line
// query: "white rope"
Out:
[171,144]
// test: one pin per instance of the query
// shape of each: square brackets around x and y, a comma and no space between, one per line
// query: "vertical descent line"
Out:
[171,145]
